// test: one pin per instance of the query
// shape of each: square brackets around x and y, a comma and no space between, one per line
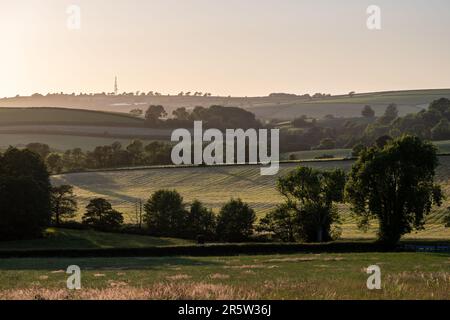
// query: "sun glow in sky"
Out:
[226,47]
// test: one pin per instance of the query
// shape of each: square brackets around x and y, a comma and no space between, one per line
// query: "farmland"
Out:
[345,106]
[30,116]
[215,185]
[270,107]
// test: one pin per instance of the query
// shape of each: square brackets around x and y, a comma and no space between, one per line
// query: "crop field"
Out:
[9,116]
[297,276]
[216,185]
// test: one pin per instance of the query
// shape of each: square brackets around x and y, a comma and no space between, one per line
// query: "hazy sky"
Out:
[227,47]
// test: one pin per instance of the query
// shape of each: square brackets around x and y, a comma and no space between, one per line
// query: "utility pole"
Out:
[140,213]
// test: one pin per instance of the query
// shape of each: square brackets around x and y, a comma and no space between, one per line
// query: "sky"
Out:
[226,47]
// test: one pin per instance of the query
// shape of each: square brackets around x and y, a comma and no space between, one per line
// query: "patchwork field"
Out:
[345,106]
[282,107]
[216,185]
[299,276]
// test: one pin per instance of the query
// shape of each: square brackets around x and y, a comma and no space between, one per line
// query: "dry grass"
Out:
[159,291]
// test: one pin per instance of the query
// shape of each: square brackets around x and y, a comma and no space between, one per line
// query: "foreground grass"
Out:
[89,239]
[299,276]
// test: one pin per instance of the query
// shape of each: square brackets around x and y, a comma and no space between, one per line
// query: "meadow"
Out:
[216,185]
[297,276]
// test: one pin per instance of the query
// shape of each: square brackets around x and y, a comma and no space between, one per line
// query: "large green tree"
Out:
[235,221]
[64,203]
[165,213]
[24,195]
[100,215]
[200,221]
[310,197]
[394,183]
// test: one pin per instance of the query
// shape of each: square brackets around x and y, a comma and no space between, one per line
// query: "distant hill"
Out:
[275,106]
[346,106]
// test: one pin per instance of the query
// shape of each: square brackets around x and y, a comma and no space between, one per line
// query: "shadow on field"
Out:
[65,239]
[59,265]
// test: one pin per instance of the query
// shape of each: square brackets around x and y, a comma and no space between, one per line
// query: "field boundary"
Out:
[215,165]
[215,250]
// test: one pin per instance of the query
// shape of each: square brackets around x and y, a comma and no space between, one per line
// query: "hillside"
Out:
[344,106]
[36,116]
[63,128]
[277,106]
[216,185]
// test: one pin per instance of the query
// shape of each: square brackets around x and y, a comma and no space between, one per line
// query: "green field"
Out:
[11,116]
[89,239]
[344,106]
[216,185]
[298,276]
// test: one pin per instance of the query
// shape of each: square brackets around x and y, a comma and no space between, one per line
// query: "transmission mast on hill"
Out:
[116,88]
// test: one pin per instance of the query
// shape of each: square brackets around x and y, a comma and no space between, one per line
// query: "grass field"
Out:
[299,276]
[89,239]
[9,116]
[215,185]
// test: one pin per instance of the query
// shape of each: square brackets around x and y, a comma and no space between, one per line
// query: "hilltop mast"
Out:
[116,88]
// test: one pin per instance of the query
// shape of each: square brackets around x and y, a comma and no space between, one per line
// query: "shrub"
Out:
[24,195]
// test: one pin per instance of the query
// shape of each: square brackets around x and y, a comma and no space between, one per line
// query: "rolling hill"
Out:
[216,185]
[64,116]
[345,106]
[283,107]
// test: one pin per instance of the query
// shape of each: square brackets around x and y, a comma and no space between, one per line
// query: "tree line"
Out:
[109,156]
[392,182]
[215,116]
[165,215]
[330,132]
